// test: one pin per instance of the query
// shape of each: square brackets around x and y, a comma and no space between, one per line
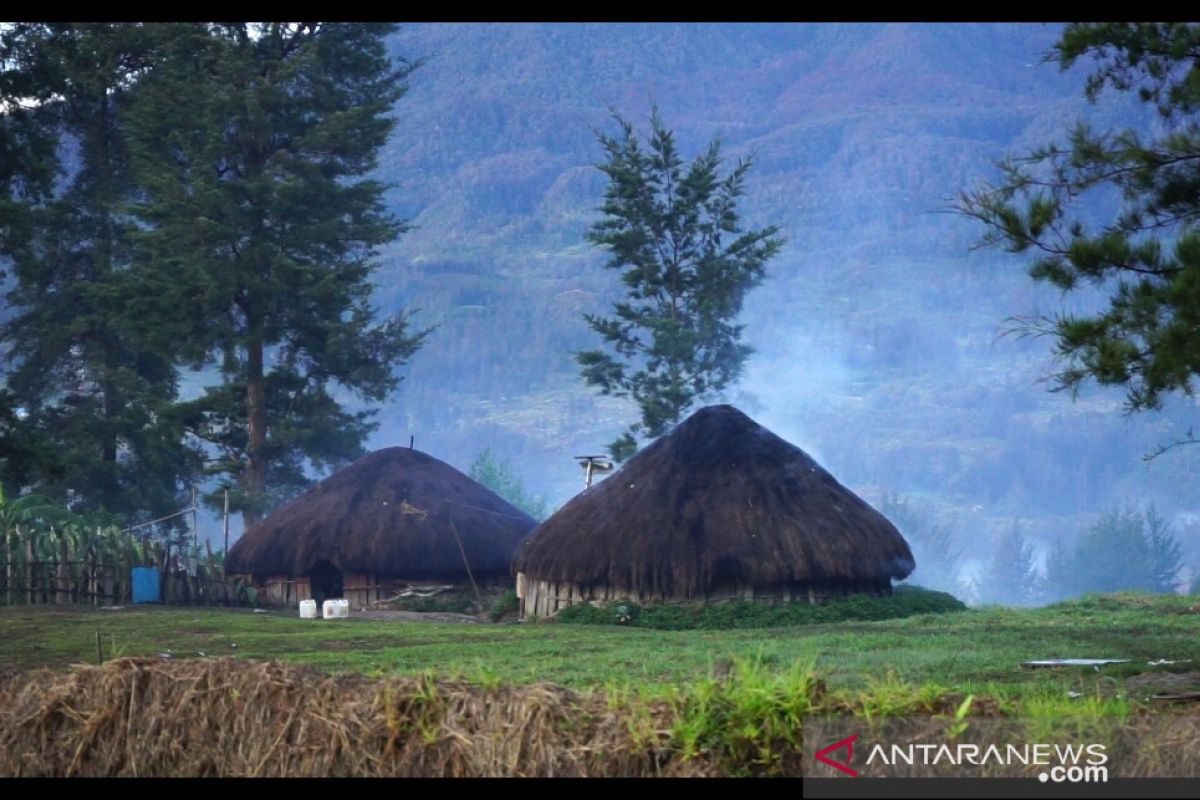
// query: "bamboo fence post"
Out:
[29,569]
[64,569]
[128,572]
[93,577]
[8,570]
[195,524]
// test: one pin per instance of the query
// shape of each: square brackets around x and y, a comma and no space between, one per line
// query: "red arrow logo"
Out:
[844,766]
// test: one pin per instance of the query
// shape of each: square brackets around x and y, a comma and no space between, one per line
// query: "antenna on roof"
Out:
[591,465]
[411,439]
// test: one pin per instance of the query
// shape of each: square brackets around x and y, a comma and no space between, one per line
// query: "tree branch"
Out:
[1190,438]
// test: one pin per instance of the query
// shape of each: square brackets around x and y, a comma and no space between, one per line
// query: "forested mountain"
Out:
[878,331]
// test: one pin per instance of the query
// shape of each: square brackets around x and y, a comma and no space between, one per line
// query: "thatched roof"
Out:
[389,513]
[719,500]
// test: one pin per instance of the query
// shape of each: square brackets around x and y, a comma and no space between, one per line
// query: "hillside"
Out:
[878,330]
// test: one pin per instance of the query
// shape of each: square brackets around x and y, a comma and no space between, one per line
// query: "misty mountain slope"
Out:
[877,330]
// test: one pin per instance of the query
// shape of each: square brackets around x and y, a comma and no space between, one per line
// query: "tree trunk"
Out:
[111,403]
[106,338]
[255,478]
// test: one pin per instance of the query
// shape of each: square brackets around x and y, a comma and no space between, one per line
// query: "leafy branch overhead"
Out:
[687,264]
[1147,254]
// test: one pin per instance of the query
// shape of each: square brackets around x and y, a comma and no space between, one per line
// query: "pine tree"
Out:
[261,230]
[687,265]
[499,475]
[1111,555]
[1148,251]
[1012,575]
[932,543]
[1058,580]
[1164,553]
[96,396]
[1124,549]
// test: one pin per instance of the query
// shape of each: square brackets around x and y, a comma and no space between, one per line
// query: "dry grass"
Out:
[221,717]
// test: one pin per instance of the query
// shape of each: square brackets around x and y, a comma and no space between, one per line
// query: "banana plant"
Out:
[32,511]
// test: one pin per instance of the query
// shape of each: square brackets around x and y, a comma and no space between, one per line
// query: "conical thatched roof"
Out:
[389,513]
[720,500]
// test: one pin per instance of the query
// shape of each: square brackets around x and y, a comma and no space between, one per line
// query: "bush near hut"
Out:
[906,602]
[506,603]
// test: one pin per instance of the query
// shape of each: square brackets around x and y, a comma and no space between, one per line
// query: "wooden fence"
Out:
[88,578]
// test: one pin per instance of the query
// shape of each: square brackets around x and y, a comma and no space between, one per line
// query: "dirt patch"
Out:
[1152,683]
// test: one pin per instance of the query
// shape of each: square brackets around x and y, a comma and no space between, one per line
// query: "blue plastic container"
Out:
[145,585]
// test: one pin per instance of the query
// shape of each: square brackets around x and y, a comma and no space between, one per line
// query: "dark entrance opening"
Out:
[326,582]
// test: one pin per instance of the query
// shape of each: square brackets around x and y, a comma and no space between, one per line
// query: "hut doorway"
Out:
[325,581]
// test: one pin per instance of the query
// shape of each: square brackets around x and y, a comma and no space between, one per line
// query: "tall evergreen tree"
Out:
[1164,553]
[687,265]
[499,475]
[932,542]
[1124,549]
[96,396]
[1012,575]
[1057,580]
[253,143]
[1110,555]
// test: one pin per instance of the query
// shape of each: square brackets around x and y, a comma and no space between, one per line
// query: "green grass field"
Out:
[977,651]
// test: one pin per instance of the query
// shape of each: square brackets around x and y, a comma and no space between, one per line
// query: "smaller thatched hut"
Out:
[719,508]
[393,518]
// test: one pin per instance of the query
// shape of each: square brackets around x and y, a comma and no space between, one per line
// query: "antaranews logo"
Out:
[844,766]
[1057,763]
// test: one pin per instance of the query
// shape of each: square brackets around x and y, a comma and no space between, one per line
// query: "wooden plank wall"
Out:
[361,589]
[285,591]
[547,598]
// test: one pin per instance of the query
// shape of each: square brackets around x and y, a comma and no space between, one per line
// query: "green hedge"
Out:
[907,601]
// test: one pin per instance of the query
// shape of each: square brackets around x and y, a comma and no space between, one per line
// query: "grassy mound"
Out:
[906,602]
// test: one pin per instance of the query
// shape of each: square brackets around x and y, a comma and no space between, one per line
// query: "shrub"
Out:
[506,603]
[907,601]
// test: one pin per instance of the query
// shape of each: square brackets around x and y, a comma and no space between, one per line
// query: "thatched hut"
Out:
[719,508]
[393,518]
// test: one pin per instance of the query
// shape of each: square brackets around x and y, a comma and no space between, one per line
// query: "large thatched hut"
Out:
[719,508]
[393,518]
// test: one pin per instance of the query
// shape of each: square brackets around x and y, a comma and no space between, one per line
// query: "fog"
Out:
[882,342]
[880,333]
